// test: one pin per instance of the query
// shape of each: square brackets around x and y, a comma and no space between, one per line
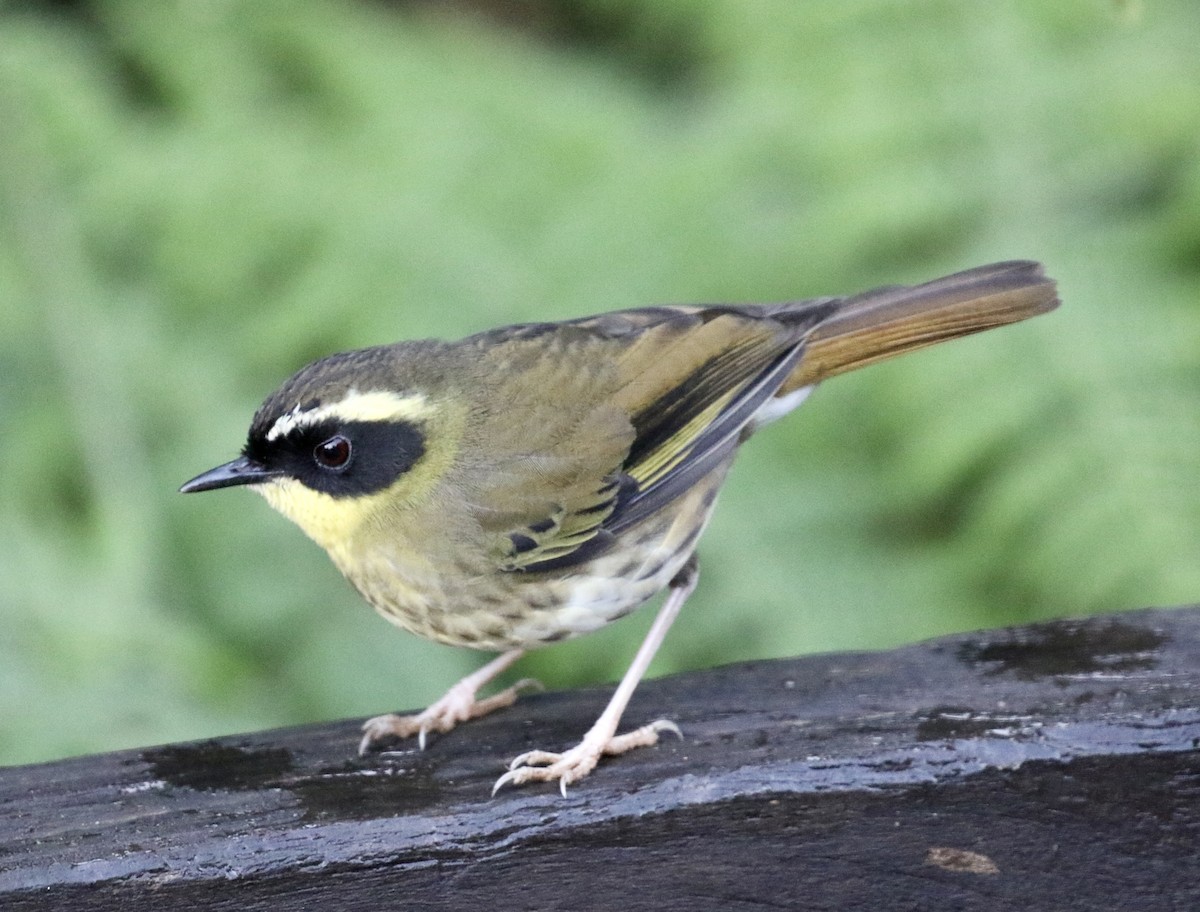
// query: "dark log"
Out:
[1048,767]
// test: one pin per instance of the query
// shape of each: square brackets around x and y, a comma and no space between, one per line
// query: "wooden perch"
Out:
[1052,767]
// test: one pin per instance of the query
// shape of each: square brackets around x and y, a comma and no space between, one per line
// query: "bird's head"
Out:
[337,444]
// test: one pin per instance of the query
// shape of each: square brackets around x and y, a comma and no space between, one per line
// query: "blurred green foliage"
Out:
[197,198]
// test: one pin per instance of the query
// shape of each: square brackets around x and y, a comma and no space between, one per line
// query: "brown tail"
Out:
[886,322]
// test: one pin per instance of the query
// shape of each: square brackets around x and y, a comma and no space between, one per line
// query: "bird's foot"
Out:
[572,765]
[457,705]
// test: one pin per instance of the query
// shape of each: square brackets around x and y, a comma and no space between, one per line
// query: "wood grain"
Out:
[1048,767]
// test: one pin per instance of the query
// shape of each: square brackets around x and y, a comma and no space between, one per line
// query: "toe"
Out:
[645,736]
[370,736]
[387,726]
[535,758]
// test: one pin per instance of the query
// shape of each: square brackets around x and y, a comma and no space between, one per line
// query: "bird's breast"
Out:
[465,603]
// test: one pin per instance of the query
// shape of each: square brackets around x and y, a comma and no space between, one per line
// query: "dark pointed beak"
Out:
[241,471]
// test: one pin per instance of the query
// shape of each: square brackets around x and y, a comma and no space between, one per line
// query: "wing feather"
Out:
[684,381]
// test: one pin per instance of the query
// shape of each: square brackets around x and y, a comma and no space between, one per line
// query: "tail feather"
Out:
[880,324]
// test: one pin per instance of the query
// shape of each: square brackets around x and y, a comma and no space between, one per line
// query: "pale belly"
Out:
[513,609]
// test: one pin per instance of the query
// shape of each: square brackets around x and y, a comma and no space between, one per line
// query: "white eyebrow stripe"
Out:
[284,424]
[373,405]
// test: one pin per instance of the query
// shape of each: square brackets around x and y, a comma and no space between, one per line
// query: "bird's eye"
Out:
[333,453]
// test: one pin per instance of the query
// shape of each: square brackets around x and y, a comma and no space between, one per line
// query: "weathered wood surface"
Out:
[1050,767]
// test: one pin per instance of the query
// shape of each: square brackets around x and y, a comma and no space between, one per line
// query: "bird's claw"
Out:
[457,705]
[572,765]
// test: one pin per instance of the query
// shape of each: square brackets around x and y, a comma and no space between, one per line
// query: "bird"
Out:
[536,482]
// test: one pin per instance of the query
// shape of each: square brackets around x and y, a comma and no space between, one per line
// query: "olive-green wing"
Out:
[682,382]
[644,403]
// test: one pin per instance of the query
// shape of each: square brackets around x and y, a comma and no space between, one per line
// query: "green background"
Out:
[196,198]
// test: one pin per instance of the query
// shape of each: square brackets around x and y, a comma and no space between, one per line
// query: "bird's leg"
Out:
[602,738]
[458,704]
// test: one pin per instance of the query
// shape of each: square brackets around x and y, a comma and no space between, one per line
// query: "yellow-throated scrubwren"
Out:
[536,482]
